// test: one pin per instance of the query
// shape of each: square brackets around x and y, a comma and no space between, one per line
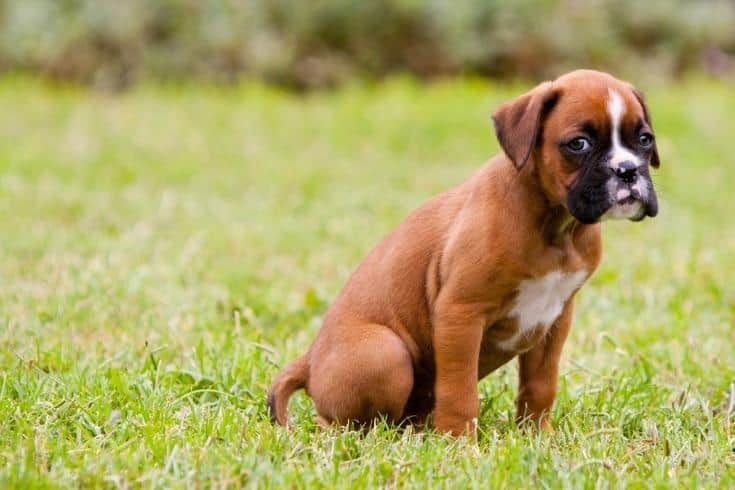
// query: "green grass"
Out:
[164,252]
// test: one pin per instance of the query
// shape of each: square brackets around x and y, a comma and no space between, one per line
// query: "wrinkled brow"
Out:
[587,126]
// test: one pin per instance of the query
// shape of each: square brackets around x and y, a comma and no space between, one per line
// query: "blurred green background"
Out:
[305,44]
[176,216]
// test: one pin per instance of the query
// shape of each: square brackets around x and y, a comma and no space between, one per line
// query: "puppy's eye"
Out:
[645,140]
[579,145]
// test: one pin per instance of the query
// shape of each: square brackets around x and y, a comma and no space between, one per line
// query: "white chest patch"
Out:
[540,302]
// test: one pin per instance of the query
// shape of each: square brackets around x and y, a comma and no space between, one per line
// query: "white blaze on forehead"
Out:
[618,153]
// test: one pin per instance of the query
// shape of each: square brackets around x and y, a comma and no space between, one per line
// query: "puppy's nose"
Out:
[627,172]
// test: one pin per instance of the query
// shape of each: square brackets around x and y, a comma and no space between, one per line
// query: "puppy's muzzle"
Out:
[627,172]
[634,184]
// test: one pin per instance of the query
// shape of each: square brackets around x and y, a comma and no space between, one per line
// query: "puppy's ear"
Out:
[518,122]
[655,161]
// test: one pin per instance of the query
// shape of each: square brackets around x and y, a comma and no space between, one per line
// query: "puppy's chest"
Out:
[537,304]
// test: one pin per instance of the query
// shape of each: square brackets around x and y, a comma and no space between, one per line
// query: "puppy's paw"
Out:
[541,424]
[546,427]
[457,427]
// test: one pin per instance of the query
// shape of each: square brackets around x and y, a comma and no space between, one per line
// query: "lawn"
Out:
[165,251]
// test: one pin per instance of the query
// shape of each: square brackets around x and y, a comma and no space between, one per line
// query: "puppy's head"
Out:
[589,139]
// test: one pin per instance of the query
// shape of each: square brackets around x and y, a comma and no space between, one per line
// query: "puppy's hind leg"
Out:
[368,373]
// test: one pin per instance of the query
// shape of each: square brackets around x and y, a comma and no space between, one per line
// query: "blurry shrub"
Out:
[311,43]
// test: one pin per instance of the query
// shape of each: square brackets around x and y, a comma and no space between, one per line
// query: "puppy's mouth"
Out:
[630,207]
[609,198]
[627,201]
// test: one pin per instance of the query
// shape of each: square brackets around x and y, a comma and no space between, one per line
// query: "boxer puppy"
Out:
[486,271]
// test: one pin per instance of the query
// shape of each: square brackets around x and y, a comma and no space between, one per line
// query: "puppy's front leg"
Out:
[538,372]
[457,339]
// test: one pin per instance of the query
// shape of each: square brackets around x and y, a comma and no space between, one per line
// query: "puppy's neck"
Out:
[554,220]
[557,224]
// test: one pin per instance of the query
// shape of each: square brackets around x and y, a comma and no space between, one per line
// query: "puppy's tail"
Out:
[293,377]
